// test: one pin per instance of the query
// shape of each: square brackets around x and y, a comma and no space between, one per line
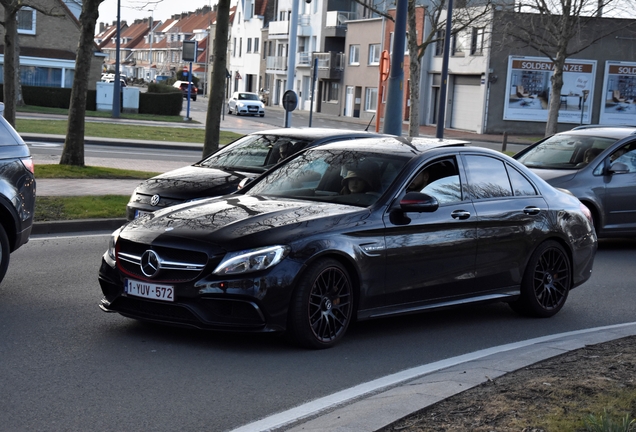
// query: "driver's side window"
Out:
[440,180]
[626,155]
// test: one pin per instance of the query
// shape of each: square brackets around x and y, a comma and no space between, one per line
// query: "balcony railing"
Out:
[338,18]
[303,59]
[276,63]
[278,28]
[330,65]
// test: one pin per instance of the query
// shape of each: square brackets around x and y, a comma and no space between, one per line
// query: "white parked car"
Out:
[245,103]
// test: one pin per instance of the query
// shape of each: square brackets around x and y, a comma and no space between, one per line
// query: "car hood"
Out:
[193,182]
[239,221]
[555,177]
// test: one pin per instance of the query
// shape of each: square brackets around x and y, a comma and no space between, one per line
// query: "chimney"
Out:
[102,27]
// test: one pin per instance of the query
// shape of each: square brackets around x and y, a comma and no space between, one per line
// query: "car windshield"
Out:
[247,96]
[254,153]
[565,152]
[338,176]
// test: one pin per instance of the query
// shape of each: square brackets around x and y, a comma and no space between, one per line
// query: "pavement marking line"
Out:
[311,409]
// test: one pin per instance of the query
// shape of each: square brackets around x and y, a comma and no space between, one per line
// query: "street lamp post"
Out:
[152,23]
[117,84]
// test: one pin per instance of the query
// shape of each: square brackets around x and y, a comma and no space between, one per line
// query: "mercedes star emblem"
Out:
[154,201]
[150,263]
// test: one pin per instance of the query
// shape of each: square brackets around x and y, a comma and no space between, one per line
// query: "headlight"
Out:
[248,261]
[241,104]
[112,243]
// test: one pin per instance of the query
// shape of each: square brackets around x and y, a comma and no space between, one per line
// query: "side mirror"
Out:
[618,168]
[418,202]
[244,183]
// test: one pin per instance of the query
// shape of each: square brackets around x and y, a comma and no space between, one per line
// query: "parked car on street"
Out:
[598,165]
[17,193]
[221,173]
[350,230]
[245,103]
[183,85]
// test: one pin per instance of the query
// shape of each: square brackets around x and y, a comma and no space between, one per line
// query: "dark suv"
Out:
[17,193]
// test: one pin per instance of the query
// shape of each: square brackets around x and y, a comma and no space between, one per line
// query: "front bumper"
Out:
[257,304]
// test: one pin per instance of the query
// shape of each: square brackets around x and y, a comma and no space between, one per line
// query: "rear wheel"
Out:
[322,305]
[5,253]
[546,282]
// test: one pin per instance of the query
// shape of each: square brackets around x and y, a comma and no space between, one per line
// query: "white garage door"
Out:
[468,103]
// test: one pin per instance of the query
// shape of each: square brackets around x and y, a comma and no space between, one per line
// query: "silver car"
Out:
[597,164]
[245,103]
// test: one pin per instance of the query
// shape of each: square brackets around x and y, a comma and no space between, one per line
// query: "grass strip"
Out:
[50,171]
[104,114]
[124,131]
[81,207]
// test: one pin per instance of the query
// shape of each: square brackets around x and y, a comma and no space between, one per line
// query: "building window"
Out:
[249,45]
[370,99]
[354,54]
[256,43]
[26,21]
[234,48]
[477,42]
[460,43]
[333,91]
[240,50]
[439,44]
[374,54]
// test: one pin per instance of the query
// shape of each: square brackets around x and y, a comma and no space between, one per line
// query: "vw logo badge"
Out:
[150,263]
[154,201]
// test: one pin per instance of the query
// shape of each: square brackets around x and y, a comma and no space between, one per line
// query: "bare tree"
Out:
[434,19]
[559,29]
[217,89]
[73,152]
[12,91]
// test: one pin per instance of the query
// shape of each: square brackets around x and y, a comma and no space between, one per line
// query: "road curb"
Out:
[81,225]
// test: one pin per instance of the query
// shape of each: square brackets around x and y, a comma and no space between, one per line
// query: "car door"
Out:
[232,101]
[619,197]
[511,215]
[430,256]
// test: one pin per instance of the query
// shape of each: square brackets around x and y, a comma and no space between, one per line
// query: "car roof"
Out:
[615,132]
[395,145]
[315,133]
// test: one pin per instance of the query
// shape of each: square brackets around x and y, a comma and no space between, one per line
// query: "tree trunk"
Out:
[414,72]
[217,89]
[556,81]
[73,152]
[11,62]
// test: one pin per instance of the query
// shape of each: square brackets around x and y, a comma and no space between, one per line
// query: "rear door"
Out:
[619,199]
[511,216]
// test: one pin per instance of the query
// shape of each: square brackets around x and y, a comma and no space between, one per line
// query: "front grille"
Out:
[181,265]
[144,199]
[154,310]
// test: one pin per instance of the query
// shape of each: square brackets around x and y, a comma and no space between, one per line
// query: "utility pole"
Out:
[291,55]
[395,87]
[441,117]
[117,84]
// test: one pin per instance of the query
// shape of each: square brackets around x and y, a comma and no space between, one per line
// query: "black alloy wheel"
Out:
[546,282]
[322,305]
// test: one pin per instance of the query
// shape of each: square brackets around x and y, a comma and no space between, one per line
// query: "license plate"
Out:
[149,290]
[140,213]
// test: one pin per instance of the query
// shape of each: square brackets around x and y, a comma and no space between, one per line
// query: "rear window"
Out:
[565,152]
[7,136]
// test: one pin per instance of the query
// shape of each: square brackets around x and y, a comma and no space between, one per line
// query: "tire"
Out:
[262,115]
[322,305]
[5,253]
[229,111]
[546,282]
[194,98]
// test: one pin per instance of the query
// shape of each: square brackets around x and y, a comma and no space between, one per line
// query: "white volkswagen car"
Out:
[245,103]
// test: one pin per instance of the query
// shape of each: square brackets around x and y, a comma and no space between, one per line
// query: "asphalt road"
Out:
[65,365]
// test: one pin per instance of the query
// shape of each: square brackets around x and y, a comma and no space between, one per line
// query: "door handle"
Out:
[460,214]
[532,210]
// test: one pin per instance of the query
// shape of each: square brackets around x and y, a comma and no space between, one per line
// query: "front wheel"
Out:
[546,282]
[322,305]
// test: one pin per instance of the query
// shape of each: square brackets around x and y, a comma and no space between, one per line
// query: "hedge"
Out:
[168,103]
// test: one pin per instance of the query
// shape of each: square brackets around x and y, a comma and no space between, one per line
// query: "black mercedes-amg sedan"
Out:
[354,230]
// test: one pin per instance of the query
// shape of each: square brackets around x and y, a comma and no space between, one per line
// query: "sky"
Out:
[138,9]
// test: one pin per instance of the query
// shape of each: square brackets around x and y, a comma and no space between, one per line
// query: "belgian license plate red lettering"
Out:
[149,290]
